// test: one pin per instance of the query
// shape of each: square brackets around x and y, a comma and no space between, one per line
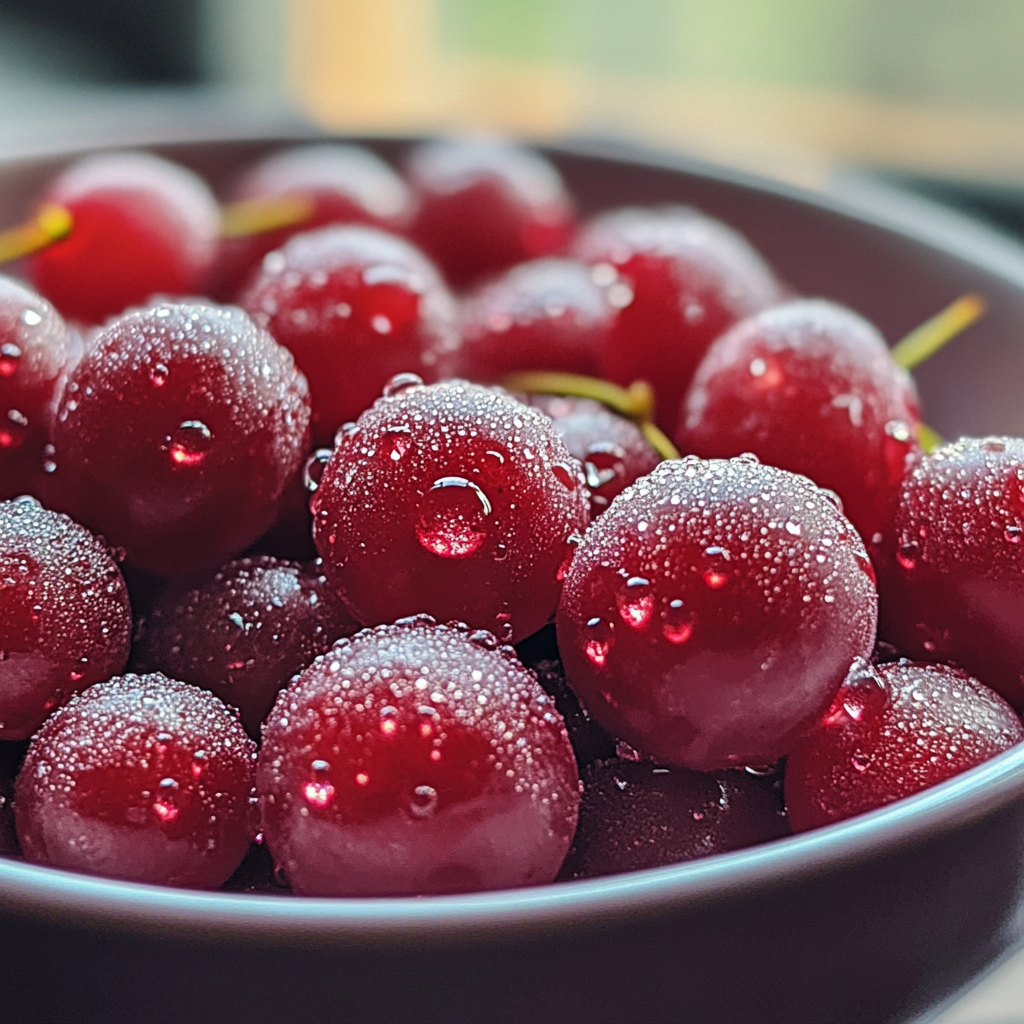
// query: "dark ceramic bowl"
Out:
[882,918]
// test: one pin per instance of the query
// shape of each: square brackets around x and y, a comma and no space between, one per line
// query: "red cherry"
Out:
[810,387]
[957,589]
[244,632]
[141,226]
[544,315]
[892,731]
[452,499]
[635,815]
[484,205]
[35,350]
[679,279]
[65,622]
[416,759]
[141,778]
[355,306]
[343,184]
[177,433]
[712,612]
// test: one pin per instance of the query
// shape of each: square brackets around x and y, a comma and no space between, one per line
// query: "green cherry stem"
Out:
[50,224]
[924,341]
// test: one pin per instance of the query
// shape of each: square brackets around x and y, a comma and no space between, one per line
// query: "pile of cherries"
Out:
[366,563]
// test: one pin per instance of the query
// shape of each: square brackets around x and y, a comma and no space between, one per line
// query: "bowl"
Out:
[880,918]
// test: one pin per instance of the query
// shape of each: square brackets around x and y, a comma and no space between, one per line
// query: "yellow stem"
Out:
[50,224]
[635,402]
[928,438]
[255,216]
[933,334]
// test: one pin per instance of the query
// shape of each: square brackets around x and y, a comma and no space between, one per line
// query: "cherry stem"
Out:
[636,402]
[933,334]
[50,224]
[928,438]
[256,216]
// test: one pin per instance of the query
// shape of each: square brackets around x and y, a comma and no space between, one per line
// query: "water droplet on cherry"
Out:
[452,517]
[189,443]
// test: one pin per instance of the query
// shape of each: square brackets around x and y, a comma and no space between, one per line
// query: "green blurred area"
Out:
[952,53]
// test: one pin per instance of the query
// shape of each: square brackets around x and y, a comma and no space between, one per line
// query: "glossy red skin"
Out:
[612,450]
[65,621]
[893,731]
[679,279]
[177,433]
[345,184]
[635,815]
[956,593]
[355,306]
[36,348]
[809,386]
[543,315]
[742,665]
[141,778]
[416,759]
[454,500]
[142,226]
[485,205]
[244,632]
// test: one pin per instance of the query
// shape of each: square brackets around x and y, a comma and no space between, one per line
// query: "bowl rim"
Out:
[38,891]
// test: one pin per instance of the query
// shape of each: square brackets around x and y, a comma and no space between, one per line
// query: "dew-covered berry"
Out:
[710,615]
[65,621]
[142,778]
[355,306]
[892,731]
[957,593]
[244,632]
[177,433]
[636,815]
[679,279]
[454,500]
[416,759]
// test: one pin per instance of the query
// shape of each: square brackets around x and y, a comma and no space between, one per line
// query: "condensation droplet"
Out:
[401,382]
[424,801]
[313,470]
[158,375]
[189,443]
[9,356]
[453,514]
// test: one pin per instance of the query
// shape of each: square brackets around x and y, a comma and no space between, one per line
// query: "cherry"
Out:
[355,306]
[65,622]
[893,730]
[177,433]
[678,280]
[636,815]
[341,183]
[957,591]
[142,778]
[485,205]
[810,386]
[415,759]
[612,450]
[35,349]
[450,499]
[141,226]
[543,315]
[710,615]
[244,632]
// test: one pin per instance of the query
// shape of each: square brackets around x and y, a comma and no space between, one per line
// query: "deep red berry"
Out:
[65,622]
[141,778]
[679,279]
[484,205]
[543,315]
[35,349]
[450,499]
[355,306]
[712,612]
[177,433]
[892,731]
[810,386]
[416,759]
[142,226]
[612,450]
[635,815]
[957,593]
[343,184]
[244,632]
